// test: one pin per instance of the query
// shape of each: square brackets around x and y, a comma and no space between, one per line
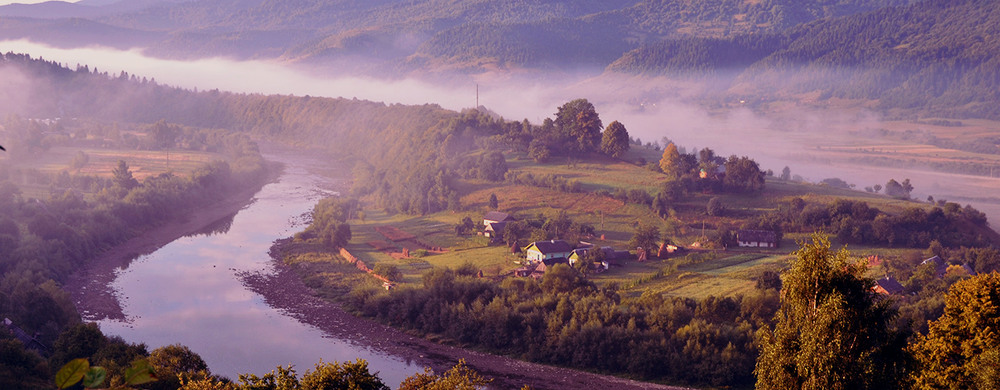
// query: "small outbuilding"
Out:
[757,238]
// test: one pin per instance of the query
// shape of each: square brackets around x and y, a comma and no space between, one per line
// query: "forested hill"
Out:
[421,33]
[942,56]
[405,150]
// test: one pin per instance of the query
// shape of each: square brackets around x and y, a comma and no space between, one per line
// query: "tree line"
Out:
[44,241]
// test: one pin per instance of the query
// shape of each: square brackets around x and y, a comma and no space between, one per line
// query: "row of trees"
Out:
[43,241]
[708,171]
[857,222]
[565,319]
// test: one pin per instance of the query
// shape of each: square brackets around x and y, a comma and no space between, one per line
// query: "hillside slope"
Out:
[313,30]
[940,57]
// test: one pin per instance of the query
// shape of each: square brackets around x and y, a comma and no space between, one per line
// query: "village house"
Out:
[494,223]
[941,266]
[496,216]
[541,251]
[29,342]
[494,229]
[757,238]
[581,253]
[887,286]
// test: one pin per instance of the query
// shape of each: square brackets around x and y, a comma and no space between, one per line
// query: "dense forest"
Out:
[934,56]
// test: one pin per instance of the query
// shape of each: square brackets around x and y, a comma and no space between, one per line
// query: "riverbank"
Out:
[285,290]
[90,287]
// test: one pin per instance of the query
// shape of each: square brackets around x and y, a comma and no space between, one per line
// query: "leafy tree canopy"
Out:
[831,331]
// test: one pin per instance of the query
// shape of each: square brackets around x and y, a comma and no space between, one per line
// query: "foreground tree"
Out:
[459,377]
[615,141]
[960,351]
[336,375]
[832,331]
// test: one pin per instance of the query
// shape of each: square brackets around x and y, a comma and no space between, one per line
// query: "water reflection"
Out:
[190,292]
[220,226]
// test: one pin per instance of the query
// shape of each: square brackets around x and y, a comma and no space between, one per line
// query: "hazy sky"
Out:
[3,2]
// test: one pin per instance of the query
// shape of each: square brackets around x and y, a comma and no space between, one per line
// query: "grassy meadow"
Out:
[697,273]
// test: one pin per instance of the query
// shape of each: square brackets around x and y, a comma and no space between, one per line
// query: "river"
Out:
[190,291]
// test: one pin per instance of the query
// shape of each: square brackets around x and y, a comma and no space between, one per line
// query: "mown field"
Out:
[101,162]
[29,173]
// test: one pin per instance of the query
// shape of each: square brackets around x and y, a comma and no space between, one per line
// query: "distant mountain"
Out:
[456,34]
[939,56]
[75,32]
[81,9]
[49,10]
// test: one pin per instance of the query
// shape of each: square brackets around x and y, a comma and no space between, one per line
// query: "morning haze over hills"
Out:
[651,193]
[934,55]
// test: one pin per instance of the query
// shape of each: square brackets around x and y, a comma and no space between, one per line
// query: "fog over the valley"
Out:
[650,109]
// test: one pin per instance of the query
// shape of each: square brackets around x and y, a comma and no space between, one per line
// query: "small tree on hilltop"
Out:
[121,176]
[615,141]
[670,161]
[645,237]
[715,207]
[577,121]
[493,201]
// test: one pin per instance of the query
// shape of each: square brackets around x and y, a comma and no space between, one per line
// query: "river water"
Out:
[190,291]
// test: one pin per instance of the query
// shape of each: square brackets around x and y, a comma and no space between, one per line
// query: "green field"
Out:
[694,274]
[142,163]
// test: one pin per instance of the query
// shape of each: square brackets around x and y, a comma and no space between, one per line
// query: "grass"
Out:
[142,163]
[695,275]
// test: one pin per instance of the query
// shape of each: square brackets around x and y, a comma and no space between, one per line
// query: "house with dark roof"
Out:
[496,216]
[887,286]
[494,229]
[30,342]
[541,251]
[525,271]
[757,238]
[940,266]
[610,254]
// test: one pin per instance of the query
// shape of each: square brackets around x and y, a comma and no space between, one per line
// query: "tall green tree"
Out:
[832,331]
[615,141]
[670,162]
[960,350]
[645,237]
[743,175]
[579,125]
[121,176]
[493,201]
